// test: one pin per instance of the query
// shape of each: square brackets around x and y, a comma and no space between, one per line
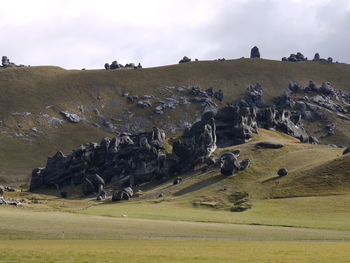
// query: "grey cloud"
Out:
[89,40]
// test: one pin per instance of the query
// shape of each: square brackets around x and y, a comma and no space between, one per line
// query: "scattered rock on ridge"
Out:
[269,145]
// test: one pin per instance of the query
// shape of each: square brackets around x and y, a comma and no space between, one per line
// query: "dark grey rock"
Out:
[245,163]
[269,145]
[255,53]
[313,140]
[185,60]
[219,95]
[9,189]
[177,180]
[282,172]
[64,194]
[346,151]
[230,164]
[124,194]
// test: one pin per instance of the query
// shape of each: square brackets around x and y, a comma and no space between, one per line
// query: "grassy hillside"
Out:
[31,96]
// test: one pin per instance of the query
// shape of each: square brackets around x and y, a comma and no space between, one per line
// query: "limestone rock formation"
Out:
[255,53]
[135,158]
[196,144]
[253,97]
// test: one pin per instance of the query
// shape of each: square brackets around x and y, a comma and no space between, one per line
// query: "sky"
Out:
[77,34]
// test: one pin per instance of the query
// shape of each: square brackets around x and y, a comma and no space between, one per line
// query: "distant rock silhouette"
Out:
[255,53]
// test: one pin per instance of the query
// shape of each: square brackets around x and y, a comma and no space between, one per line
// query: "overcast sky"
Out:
[88,33]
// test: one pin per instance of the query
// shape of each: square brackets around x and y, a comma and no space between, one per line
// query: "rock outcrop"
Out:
[185,60]
[135,158]
[196,143]
[295,57]
[255,53]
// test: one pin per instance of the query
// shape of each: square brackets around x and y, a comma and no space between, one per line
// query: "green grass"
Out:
[172,251]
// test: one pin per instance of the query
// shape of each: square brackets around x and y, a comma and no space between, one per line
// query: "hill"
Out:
[33,128]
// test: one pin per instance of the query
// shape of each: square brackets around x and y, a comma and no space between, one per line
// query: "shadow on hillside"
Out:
[199,185]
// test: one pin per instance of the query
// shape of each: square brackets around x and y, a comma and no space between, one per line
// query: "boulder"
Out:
[282,172]
[316,57]
[9,189]
[313,140]
[1,192]
[327,89]
[219,95]
[255,53]
[346,151]
[177,180]
[144,104]
[72,117]
[185,60]
[107,66]
[229,164]
[124,194]
[114,65]
[269,145]
[244,164]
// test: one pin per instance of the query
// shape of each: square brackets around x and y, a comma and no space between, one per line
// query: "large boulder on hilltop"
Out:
[185,60]
[254,52]
[316,57]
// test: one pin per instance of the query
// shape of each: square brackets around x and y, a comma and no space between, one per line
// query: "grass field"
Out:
[130,251]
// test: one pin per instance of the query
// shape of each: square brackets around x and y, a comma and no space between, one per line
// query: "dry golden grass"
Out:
[172,251]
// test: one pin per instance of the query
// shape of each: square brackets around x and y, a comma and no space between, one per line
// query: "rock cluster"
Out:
[253,97]
[116,65]
[185,60]
[133,158]
[5,62]
[318,58]
[295,57]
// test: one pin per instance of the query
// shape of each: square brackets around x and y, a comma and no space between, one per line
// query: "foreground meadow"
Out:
[139,251]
